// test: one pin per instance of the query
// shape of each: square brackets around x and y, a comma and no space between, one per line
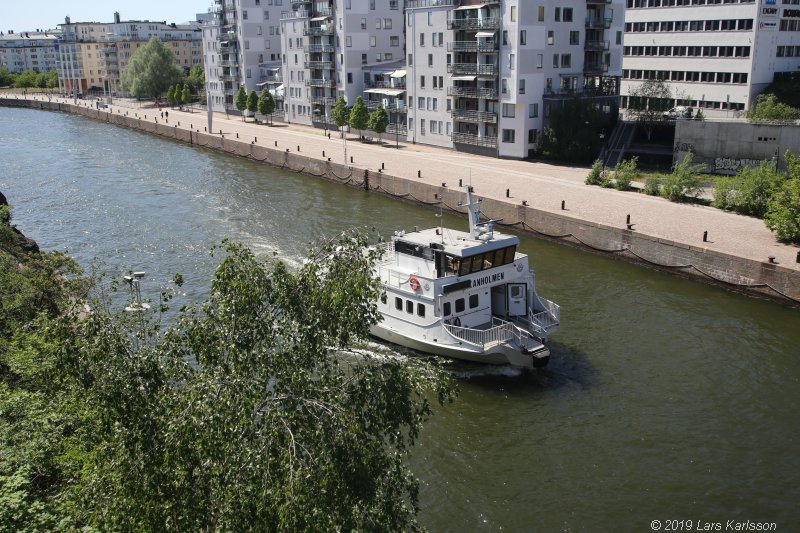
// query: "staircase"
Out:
[621,138]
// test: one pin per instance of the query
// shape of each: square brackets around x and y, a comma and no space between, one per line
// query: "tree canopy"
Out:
[340,113]
[359,115]
[151,71]
[378,121]
[250,411]
[769,108]
[252,102]
[196,79]
[241,100]
[647,103]
[266,104]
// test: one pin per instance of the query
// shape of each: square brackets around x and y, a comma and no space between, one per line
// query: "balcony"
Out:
[472,92]
[324,65]
[413,4]
[379,84]
[472,46]
[321,83]
[272,78]
[595,67]
[318,30]
[390,107]
[465,115]
[320,48]
[475,140]
[227,36]
[323,100]
[228,63]
[299,2]
[299,14]
[602,21]
[472,69]
[598,1]
[323,12]
[229,77]
[474,23]
[596,46]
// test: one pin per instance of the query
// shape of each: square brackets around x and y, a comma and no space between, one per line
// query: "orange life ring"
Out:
[413,281]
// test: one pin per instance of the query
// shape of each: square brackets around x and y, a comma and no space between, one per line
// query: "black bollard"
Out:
[298,147]
[524,202]
[771,259]
[255,139]
[419,173]
[508,193]
[276,143]
[798,257]
[563,202]
[287,150]
[628,220]
[323,153]
[205,129]
[383,166]
[237,134]
[459,182]
[444,184]
[220,132]
[329,136]
[351,158]
[705,236]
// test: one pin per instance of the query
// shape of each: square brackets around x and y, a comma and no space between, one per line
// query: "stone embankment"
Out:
[741,255]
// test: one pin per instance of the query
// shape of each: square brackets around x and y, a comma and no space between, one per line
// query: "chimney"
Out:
[116,17]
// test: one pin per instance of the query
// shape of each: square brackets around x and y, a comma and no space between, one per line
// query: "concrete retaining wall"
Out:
[724,147]
[732,272]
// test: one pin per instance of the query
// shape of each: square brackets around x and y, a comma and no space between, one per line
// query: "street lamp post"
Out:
[603,143]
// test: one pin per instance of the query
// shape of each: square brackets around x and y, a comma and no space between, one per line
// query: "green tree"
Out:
[783,212]
[683,182]
[359,116]
[595,176]
[266,105]
[171,96]
[769,108]
[241,100]
[186,96]
[340,114]
[647,103]
[252,103]
[196,79]
[749,191]
[6,77]
[151,71]
[379,121]
[624,173]
[26,80]
[51,80]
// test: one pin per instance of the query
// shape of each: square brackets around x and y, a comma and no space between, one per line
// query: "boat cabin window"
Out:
[460,305]
[398,304]
[421,309]
[409,307]
[446,309]
[417,250]
[473,301]
[476,263]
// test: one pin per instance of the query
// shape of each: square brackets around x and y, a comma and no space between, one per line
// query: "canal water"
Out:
[665,399]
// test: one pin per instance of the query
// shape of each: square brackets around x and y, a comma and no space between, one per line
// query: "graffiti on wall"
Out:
[734,164]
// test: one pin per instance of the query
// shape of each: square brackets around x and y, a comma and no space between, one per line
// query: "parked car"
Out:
[679,112]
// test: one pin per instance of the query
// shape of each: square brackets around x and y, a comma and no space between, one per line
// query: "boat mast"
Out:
[473,212]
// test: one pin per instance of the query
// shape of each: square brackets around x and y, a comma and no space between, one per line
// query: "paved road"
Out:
[542,185]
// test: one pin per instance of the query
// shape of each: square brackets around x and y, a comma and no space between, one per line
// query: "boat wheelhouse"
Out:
[466,295]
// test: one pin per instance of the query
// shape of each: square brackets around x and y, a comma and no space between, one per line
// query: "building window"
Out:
[505,37]
[422,39]
[551,37]
[511,61]
[364,23]
[575,37]
[567,14]
[541,13]
[523,37]
[430,18]
[504,86]
[513,13]
[555,60]
[566,60]
[533,110]
[373,41]
[539,60]
[394,41]
[557,15]
[348,40]
[349,77]
[522,86]
[508,136]
[532,135]
[430,60]
[422,82]
[387,24]
[508,111]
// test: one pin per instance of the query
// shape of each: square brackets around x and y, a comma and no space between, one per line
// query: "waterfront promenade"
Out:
[542,186]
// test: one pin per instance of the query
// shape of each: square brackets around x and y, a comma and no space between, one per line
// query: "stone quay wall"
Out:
[740,274]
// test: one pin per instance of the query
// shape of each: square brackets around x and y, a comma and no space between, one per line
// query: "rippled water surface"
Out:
[664,399]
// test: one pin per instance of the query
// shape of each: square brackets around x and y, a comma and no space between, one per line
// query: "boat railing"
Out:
[546,320]
[501,331]
[387,252]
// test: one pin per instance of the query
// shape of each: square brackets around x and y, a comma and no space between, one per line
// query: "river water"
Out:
[665,399]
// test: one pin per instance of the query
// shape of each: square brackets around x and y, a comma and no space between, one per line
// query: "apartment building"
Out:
[484,75]
[242,47]
[29,50]
[335,48]
[713,54]
[91,56]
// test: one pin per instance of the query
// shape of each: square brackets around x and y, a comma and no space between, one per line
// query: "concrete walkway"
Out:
[544,186]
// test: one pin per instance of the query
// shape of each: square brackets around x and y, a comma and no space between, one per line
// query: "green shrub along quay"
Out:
[761,191]
[241,415]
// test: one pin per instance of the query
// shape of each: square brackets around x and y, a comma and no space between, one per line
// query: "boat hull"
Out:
[500,354]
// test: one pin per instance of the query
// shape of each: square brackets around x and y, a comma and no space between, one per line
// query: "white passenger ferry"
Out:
[464,295]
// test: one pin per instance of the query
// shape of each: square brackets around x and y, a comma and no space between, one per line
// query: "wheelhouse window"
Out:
[446,310]
[421,309]
[473,301]
[476,263]
[460,305]
[409,307]
[398,304]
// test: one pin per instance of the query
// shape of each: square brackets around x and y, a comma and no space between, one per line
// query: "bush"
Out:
[653,184]
[783,212]
[749,191]
[624,173]
[683,182]
[595,175]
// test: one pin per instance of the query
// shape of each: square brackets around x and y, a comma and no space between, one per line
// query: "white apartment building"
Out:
[242,47]
[714,54]
[331,49]
[29,50]
[483,75]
